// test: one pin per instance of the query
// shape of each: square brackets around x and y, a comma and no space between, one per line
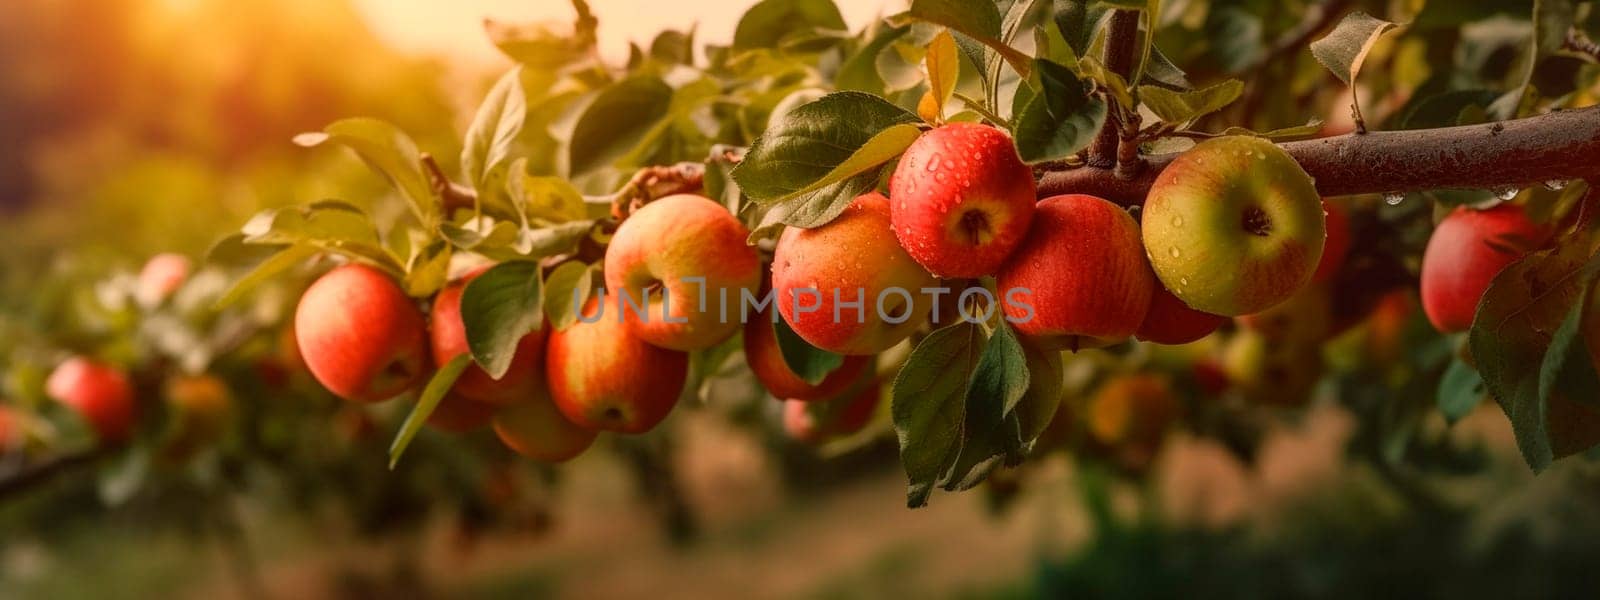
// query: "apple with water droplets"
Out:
[1234,226]
[360,335]
[1079,279]
[1467,249]
[687,257]
[962,200]
[853,267]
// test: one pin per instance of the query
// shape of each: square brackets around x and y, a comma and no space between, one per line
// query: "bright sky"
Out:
[455,28]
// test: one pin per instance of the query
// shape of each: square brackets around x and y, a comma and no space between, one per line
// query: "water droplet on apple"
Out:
[1555,185]
[1394,198]
[933,163]
[1505,193]
[1177,220]
[1183,281]
[940,177]
[1174,251]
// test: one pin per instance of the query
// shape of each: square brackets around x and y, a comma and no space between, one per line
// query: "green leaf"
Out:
[492,137]
[673,47]
[1460,391]
[432,394]
[390,152]
[978,20]
[549,199]
[944,66]
[536,45]
[428,270]
[1163,72]
[616,121]
[769,22]
[1096,71]
[1345,48]
[498,307]
[1512,334]
[552,240]
[567,289]
[1568,370]
[1311,128]
[991,432]
[1061,119]
[817,208]
[822,143]
[860,71]
[277,264]
[1185,107]
[1551,21]
[811,363]
[929,405]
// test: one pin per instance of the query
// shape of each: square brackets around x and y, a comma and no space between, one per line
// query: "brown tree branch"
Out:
[1122,40]
[1552,147]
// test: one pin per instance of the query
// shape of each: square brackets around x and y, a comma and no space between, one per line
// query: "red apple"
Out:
[99,393]
[1079,280]
[1338,244]
[853,259]
[360,335]
[449,337]
[162,275]
[962,200]
[537,430]
[1468,248]
[1172,322]
[12,436]
[766,361]
[604,378]
[816,422]
[460,414]
[687,257]
[199,413]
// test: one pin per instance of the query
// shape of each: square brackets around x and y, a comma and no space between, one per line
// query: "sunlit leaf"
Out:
[1185,107]
[498,307]
[929,405]
[390,152]
[432,394]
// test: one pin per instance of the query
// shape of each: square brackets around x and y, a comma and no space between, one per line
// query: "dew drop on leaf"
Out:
[1505,193]
[1555,185]
[1393,198]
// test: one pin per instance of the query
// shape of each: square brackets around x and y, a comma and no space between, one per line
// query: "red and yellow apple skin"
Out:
[1172,322]
[1466,251]
[962,200]
[1234,226]
[1083,273]
[841,417]
[360,335]
[449,336]
[459,414]
[99,393]
[535,428]
[670,244]
[766,361]
[604,378]
[853,257]
[1338,244]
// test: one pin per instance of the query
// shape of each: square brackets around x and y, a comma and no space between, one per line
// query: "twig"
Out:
[32,475]
[1558,146]
[454,195]
[651,183]
[1122,38]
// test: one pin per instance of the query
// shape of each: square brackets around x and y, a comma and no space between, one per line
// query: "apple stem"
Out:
[1557,146]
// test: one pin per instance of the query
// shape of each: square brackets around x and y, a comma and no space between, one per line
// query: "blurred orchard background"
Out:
[135,127]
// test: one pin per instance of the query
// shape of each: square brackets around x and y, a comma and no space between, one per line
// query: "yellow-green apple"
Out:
[99,393]
[1234,226]
[199,412]
[449,336]
[536,429]
[846,286]
[814,422]
[962,200]
[604,378]
[766,361]
[1466,251]
[686,257]
[162,275]
[1172,322]
[460,414]
[1079,280]
[360,335]
[1338,244]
